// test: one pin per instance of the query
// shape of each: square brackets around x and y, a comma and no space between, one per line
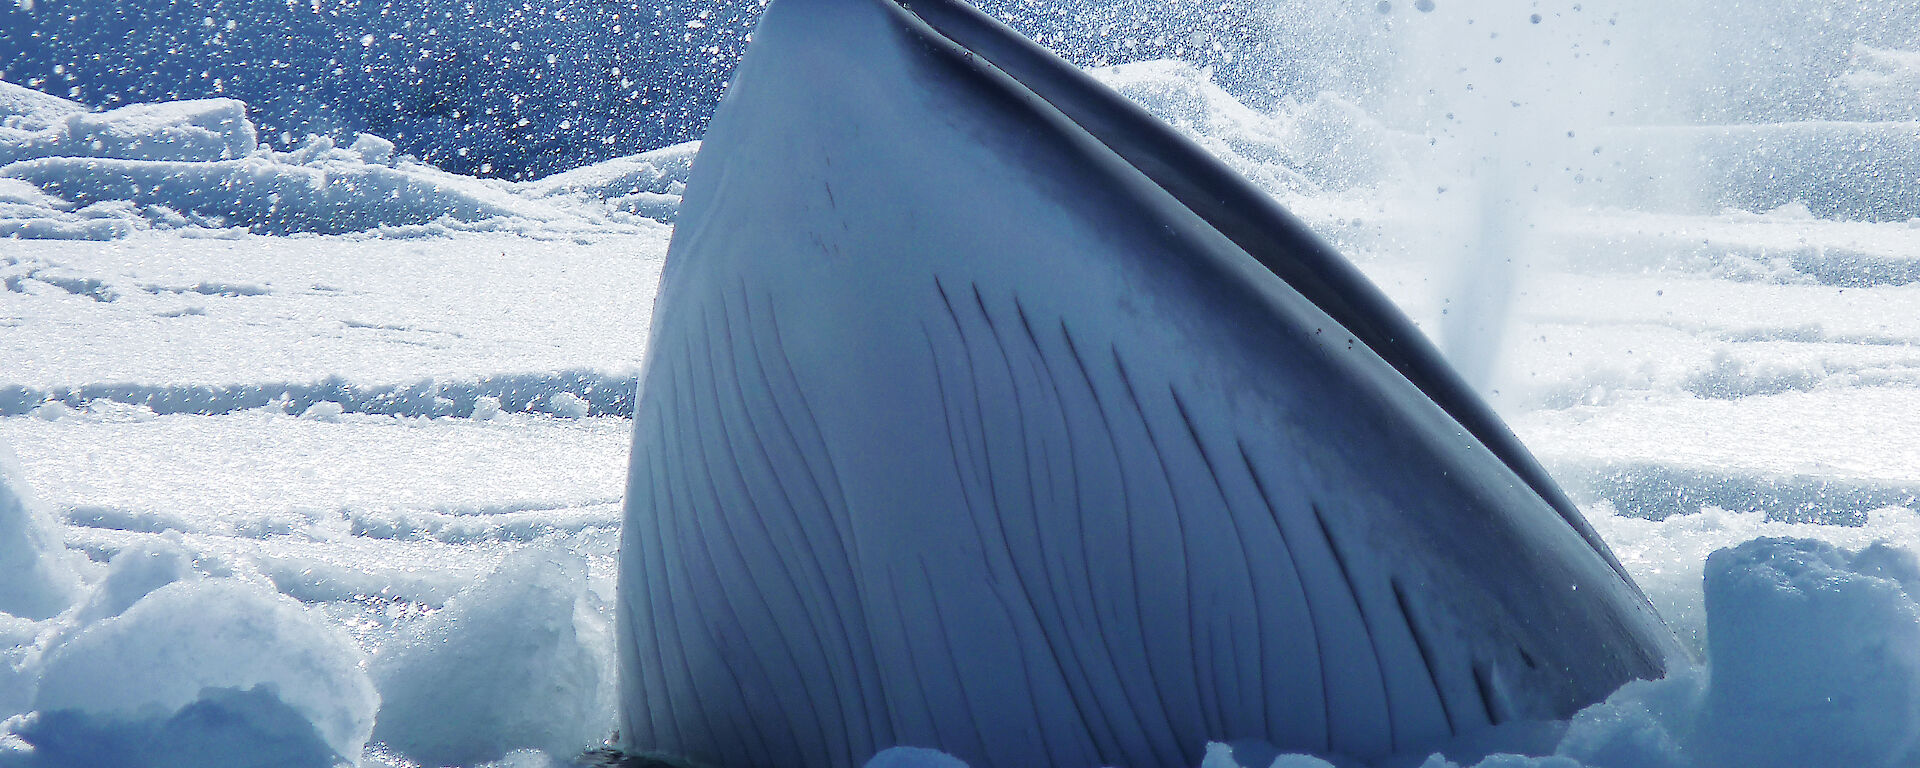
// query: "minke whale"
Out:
[983,412]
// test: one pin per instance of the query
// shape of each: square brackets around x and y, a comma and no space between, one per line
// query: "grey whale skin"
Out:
[984,413]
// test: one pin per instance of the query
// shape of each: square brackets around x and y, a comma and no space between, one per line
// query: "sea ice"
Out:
[212,644]
[204,130]
[37,580]
[1814,656]
[566,405]
[200,164]
[521,660]
[226,727]
[134,573]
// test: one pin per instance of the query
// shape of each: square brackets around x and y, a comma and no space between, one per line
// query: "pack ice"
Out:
[70,173]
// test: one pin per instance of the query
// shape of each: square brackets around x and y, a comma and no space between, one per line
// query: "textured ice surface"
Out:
[36,578]
[1814,655]
[198,165]
[521,660]
[222,727]
[206,129]
[166,651]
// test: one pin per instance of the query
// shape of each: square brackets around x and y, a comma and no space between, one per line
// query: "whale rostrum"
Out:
[983,412]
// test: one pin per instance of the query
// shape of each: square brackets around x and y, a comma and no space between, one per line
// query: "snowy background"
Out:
[321,321]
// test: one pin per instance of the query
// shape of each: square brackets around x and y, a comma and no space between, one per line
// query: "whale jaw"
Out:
[961,430]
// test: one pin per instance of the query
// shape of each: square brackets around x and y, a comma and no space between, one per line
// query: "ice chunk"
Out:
[567,405]
[485,407]
[135,572]
[648,184]
[655,171]
[201,129]
[1220,756]
[373,149]
[37,578]
[25,109]
[1813,660]
[1299,761]
[1217,756]
[223,727]
[528,758]
[1515,761]
[1815,656]
[160,658]
[521,660]
[914,757]
[325,410]
[1645,724]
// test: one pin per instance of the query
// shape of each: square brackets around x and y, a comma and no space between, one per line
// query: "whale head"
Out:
[985,413]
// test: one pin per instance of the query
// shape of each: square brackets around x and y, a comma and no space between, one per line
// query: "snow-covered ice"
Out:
[217,642]
[199,166]
[37,580]
[335,440]
[389,326]
[203,130]
[522,660]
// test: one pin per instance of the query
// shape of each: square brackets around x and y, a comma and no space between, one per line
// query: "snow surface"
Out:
[335,442]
